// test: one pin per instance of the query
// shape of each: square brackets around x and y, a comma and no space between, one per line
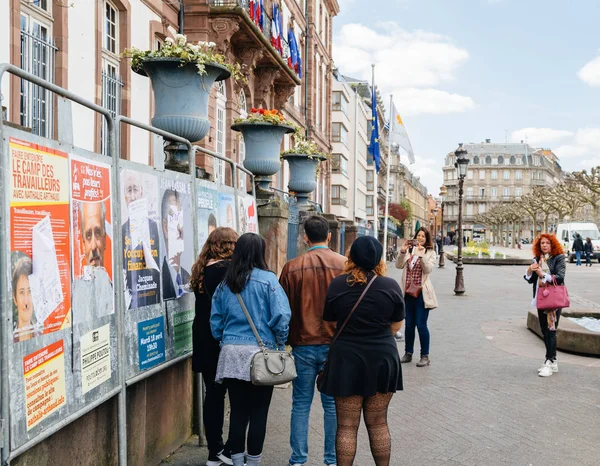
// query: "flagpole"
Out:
[387,176]
[375,178]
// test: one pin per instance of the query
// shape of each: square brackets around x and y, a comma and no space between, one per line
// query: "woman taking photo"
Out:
[363,368]
[207,273]
[548,266]
[417,259]
[269,309]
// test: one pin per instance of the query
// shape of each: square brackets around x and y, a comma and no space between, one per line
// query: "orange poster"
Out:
[44,373]
[40,239]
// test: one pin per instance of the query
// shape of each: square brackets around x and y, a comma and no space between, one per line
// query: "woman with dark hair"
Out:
[588,248]
[548,267]
[207,273]
[417,259]
[363,368]
[269,309]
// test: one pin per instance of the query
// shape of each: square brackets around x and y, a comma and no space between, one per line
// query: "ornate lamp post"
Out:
[442,262]
[462,160]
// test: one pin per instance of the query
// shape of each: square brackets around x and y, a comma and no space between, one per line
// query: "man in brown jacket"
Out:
[305,281]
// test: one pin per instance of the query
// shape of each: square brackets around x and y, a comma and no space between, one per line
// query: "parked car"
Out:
[566,232]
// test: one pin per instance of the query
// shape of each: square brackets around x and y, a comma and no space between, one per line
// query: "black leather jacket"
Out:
[557,266]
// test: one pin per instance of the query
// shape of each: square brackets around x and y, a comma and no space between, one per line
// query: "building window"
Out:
[339,102]
[469,192]
[518,175]
[506,192]
[338,194]
[506,175]
[339,133]
[469,209]
[37,58]
[476,160]
[494,192]
[369,205]
[494,174]
[500,160]
[482,174]
[470,175]
[488,160]
[242,145]
[481,208]
[219,165]
[111,20]
[111,100]
[518,192]
[339,164]
[482,192]
[370,180]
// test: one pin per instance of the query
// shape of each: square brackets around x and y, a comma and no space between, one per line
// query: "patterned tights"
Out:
[348,409]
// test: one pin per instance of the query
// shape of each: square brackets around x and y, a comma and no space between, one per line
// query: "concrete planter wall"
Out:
[181,95]
[263,146]
[303,175]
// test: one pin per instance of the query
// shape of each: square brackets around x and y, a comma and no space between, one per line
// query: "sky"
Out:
[470,70]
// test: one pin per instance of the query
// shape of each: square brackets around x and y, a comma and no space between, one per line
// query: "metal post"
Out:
[387,179]
[459,284]
[442,260]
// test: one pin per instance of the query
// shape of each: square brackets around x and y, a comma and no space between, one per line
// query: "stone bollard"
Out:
[350,235]
[273,217]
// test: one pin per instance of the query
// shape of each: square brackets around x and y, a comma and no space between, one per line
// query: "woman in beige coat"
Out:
[417,259]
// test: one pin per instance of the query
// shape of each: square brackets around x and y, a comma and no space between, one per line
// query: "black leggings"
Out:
[214,413]
[549,336]
[348,410]
[249,405]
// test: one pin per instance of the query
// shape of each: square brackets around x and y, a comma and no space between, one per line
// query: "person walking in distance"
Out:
[578,248]
[417,259]
[268,307]
[588,248]
[207,273]
[363,369]
[548,266]
[305,280]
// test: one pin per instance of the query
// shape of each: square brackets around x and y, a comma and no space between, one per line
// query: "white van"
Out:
[565,232]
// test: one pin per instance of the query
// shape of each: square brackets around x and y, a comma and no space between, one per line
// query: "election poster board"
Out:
[141,240]
[177,234]
[227,210]
[248,219]
[95,358]
[40,239]
[207,212]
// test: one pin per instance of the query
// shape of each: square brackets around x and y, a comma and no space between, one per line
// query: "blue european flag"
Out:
[374,145]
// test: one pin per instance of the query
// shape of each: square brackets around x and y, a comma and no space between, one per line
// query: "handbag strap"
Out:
[337,334]
[251,322]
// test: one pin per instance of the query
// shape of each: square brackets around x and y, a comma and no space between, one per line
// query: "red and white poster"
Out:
[40,239]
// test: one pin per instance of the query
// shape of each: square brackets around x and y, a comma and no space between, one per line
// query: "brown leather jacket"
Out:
[305,280]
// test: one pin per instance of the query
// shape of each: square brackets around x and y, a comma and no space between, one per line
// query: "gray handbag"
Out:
[269,367]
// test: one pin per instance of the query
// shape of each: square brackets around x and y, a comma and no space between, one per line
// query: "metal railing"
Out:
[37,103]
[111,100]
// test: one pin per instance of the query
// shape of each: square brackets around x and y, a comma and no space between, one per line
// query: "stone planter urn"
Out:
[263,146]
[181,95]
[303,175]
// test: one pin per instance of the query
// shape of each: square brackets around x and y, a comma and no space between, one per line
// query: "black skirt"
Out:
[363,368]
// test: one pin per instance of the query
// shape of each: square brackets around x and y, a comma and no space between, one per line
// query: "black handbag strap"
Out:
[337,334]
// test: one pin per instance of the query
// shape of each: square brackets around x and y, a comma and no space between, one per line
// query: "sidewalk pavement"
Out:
[481,401]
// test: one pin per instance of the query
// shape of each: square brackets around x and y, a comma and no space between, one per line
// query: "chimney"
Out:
[487,141]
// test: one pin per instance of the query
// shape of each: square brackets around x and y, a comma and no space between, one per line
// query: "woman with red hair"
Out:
[548,266]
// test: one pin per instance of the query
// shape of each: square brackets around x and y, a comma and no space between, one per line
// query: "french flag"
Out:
[252,10]
[275,33]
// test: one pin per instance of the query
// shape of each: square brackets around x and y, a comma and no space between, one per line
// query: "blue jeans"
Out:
[416,316]
[309,361]
[578,257]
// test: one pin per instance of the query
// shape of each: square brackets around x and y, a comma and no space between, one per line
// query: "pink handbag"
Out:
[552,296]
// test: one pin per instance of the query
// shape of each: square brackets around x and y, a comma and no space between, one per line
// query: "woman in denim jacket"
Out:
[269,308]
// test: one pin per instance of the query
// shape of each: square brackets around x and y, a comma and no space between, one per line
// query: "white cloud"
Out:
[571,151]
[590,73]
[433,101]
[588,137]
[540,136]
[408,64]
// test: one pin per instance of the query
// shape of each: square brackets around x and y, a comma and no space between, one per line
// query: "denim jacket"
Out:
[267,304]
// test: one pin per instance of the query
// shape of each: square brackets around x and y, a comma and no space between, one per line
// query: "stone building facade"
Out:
[497,173]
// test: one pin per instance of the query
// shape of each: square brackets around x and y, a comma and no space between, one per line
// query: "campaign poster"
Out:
[40,239]
[248,220]
[176,229]
[227,211]
[208,213]
[141,240]
[95,358]
[151,342]
[44,373]
[92,234]
[182,331]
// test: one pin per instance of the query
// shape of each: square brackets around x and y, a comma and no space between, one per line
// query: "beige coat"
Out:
[428,263]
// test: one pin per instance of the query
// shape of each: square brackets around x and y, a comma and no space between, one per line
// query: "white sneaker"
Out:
[546,371]
[553,365]
[214,463]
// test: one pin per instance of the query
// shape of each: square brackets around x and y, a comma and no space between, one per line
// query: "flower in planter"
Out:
[200,54]
[261,115]
[305,146]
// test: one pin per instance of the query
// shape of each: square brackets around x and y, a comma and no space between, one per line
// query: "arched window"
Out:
[524,160]
[488,160]
[500,160]
[242,146]
[476,160]
[220,135]
[513,160]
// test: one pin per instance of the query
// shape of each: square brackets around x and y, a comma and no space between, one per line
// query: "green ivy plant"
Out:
[200,54]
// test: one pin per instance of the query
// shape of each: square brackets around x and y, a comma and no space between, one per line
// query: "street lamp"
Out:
[462,160]
[443,192]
